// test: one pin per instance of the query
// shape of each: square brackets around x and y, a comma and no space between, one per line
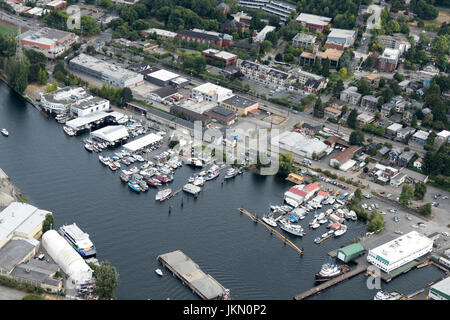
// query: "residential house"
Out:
[351,95]
[373,79]
[404,133]
[394,154]
[393,129]
[333,113]
[420,137]
[369,102]
[442,137]
[418,163]
[405,158]
[365,118]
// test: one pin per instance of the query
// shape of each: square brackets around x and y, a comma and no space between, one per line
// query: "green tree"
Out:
[363,86]
[318,109]
[107,281]
[356,138]
[425,209]
[126,96]
[17,72]
[286,162]
[420,189]
[48,223]
[406,195]
[89,26]
[352,120]
[42,77]
[376,222]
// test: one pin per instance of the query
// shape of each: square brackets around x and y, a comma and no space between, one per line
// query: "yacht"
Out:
[212,175]
[104,160]
[330,270]
[163,194]
[270,221]
[231,173]
[340,231]
[143,185]
[317,240]
[69,131]
[79,240]
[5,132]
[134,186]
[89,147]
[382,295]
[323,220]
[199,181]
[202,173]
[296,230]
[159,272]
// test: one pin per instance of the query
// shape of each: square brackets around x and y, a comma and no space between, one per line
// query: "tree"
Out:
[318,109]
[399,77]
[357,197]
[352,120]
[42,77]
[16,70]
[286,162]
[107,281]
[363,86]
[89,26]
[414,121]
[325,70]
[376,222]
[126,96]
[406,195]
[425,209]
[440,45]
[356,138]
[266,45]
[343,72]
[419,190]
[48,223]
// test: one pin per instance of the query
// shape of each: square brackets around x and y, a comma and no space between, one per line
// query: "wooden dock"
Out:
[204,285]
[325,238]
[272,230]
[359,269]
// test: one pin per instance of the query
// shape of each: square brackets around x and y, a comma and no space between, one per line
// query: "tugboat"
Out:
[5,132]
[330,270]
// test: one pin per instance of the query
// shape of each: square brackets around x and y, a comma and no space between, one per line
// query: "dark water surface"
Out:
[130,230]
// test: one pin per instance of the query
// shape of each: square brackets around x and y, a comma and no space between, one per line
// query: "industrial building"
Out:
[350,252]
[111,134]
[300,144]
[161,77]
[144,142]
[400,251]
[211,92]
[240,105]
[39,274]
[161,94]
[221,115]
[343,157]
[440,290]
[50,42]
[70,262]
[21,220]
[108,73]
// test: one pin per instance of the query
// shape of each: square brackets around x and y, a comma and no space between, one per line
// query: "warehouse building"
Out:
[240,105]
[400,251]
[111,134]
[13,253]
[39,274]
[350,252]
[21,220]
[221,115]
[211,92]
[161,77]
[109,73]
[144,142]
[161,94]
[300,144]
[440,290]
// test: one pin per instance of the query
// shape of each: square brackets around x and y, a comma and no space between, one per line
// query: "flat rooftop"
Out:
[313,19]
[239,102]
[44,35]
[111,133]
[82,121]
[13,252]
[163,75]
[143,142]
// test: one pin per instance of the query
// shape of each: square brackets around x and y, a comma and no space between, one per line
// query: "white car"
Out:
[389,195]
[445,234]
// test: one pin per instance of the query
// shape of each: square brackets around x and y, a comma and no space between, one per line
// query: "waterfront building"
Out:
[50,42]
[70,262]
[111,134]
[350,252]
[84,107]
[400,251]
[21,220]
[109,73]
[143,142]
[14,252]
[313,22]
[440,290]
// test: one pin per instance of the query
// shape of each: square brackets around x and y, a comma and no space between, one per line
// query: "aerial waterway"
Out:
[130,230]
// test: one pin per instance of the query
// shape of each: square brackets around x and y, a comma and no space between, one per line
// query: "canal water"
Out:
[130,230]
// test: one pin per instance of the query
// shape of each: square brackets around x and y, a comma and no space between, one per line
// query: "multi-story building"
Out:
[240,105]
[340,38]
[387,62]
[89,105]
[108,73]
[50,42]
[400,251]
[333,55]
[440,290]
[211,92]
[303,40]
[225,57]
[420,137]
[253,4]
[393,129]
[230,26]
[261,36]
[279,8]
[397,41]
[209,37]
[311,82]
[161,34]
[404,133]
[364,118]
[242,17]
[264,74]
[369,102]
[351,95]
[313,22]
[331,112]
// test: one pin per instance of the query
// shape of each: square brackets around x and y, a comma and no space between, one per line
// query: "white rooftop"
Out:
[313,19]
[142,142]
[20,218]
[341,33]
[421,135]
[391,53]
[163,75]
[402,247]
[82,121]
[395,127]
[111,133]
[444,134]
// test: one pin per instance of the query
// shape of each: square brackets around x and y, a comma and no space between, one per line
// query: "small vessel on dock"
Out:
[330,270]
[270,221]
[296,230]
[199,181]
[79,240]
[5,132]
[163,194]
[89,147]
[317,240]
[104,160]
[192,189]
[69,131]
[113,167]
[383,295]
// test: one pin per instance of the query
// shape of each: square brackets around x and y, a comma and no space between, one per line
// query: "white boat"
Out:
[212,175]
[159,272]
[113,167]
[382,295]
[202,173]
[192,189]
[315,225]
[199,181]
[269,221]
[69,131]
[296,230]
[163,194]
[340,231]
[329,211]
[291,202]
[323,220]
[5,132]
[88,147]
[317,240]
[103,160]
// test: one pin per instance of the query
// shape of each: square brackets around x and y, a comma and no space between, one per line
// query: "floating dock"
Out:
[272,230]
[359,269]
[190,274]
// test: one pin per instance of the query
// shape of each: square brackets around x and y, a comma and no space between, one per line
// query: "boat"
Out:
[143,185]
[159,272]
[134,186]
[340,231]
[5,132]
[199,181]
[317,240]
[139,158]
[69,131]
[296,230]
[202,173]
[163,194]
[315,225]
[192,189]
[124,177]
[383,295]
[151,182]
[227,295]
[231,173]
[88,147]
[330,270]
[104,160]
[329,211]
[323,220]
[113,167]
[79,240]
[269,221]
[134,169]
[212,175]
[162,179]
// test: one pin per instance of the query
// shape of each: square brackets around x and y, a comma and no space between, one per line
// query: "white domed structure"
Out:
[66,257]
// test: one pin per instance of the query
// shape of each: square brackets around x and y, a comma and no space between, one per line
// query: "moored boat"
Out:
[270,221]
[296,230]
[79,240]
[88,147]
[134,186]
[329,271]
[5,132]
[163,194]
[212,175]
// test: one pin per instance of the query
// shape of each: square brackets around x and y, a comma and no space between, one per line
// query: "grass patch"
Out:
[7,30]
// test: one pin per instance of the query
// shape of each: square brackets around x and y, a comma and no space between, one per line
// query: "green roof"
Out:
[353,249]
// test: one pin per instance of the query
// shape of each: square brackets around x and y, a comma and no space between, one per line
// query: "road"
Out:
[11,294]
[24,23]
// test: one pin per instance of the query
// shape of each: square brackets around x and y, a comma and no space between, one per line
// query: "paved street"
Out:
[11,294]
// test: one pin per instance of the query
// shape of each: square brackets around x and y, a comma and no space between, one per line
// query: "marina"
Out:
[204,285]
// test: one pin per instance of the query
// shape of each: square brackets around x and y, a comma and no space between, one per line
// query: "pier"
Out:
[272,230]
[325,238]
[359,269]
[204,285]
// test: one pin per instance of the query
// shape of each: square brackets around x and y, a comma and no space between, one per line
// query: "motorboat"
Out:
[296,230]
[113,167]
[317,240]
[231,173]
[270,221]
[124,177]
[315,225]
[117,164]
[143,185]
[199,181]
[104,160]
[329,271]
[89,147]
[69,131]
[79,240]
[340,231]
[163,194]
[159,272]
[383,295]
[202,173]
[5,132]
[212,175]
[323,220]
[151,182]
[139,158]
[134,186]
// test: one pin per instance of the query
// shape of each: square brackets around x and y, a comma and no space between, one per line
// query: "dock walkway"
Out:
[359,269]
